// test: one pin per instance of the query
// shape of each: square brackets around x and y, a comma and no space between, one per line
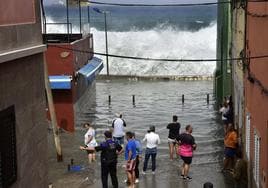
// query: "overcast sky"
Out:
[48,2]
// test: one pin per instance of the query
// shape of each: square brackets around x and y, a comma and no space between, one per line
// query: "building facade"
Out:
[222,82]
[23,125]
[238,50]
[256,93]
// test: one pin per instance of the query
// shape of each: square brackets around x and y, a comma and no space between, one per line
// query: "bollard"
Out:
[133,99]
[72,161]
[208,185]
[208,98]
[109,99]
[182,99]
[50,185]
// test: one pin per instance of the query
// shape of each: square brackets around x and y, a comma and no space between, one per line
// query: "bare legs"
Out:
[131,178]
[91,157]
[172,148]
[185,170]
[228,163]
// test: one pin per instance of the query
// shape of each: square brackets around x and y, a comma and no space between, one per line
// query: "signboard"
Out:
[15,12]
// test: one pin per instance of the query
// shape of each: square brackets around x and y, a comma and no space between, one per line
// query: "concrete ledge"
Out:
[163,78]
[20,53]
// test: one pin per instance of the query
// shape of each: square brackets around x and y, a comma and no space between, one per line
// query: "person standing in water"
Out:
[130,157]
[118,125]
[90,141]
[174,132]
[152,140]
[187,146]
[109,152]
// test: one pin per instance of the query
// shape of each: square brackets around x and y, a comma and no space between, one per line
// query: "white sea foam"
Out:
[160,42]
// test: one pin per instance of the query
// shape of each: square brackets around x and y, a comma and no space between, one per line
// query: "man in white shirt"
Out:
[118,125]
[152,140]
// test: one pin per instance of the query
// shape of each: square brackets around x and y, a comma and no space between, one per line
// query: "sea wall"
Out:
[166,78]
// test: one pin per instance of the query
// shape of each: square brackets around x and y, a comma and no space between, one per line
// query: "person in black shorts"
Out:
[187,145]
[174,132]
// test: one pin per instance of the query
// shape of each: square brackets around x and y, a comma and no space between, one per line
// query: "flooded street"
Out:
[155,103]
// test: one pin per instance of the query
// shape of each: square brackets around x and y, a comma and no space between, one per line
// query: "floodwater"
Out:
[155,103]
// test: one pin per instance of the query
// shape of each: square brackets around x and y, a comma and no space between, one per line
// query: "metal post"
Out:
[106,42]
[208,98]
[88,15]
[80,22]
[109,99]
[67,12]
[182,99]
[133,99]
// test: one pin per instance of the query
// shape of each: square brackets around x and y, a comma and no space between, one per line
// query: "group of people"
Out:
[181,143]
[233,161]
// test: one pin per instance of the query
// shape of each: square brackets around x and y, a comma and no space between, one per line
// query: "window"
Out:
[248,136]
[256,167]
[8,158]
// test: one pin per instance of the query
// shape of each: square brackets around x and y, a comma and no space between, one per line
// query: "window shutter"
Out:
[256,169]
[248,136]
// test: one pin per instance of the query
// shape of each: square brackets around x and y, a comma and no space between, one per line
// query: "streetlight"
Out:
[106,41]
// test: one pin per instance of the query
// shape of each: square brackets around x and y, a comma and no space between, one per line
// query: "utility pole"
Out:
[106,38]
[106,43]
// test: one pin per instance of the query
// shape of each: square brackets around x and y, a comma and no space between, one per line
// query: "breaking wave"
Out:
[163,42]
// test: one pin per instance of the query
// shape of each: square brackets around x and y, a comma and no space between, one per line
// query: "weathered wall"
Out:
[223,69]
[238,43]
[84,45]
[21,34]
[256,98]
[60,61]
[22,85]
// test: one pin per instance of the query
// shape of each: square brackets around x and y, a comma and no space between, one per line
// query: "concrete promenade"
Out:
[167,172]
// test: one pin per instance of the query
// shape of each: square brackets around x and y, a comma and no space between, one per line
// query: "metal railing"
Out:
[68,25]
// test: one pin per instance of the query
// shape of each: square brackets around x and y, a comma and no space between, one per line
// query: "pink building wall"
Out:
[256,97]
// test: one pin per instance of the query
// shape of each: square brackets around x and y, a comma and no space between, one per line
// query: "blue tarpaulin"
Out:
[90,70]
[60,82]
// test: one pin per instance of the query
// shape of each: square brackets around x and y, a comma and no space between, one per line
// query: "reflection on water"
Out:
[155,104]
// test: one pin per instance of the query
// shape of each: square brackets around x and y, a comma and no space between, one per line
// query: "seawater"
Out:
[156,32]
[155,104]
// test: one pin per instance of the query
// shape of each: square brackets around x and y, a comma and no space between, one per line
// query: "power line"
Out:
[160,5]
[159,59]
[170,4]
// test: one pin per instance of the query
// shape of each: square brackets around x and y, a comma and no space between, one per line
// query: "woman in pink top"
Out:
[187,145]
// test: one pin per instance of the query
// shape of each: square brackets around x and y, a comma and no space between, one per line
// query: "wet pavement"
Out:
[155,103]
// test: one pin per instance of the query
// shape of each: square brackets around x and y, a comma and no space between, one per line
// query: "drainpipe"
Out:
[244,67]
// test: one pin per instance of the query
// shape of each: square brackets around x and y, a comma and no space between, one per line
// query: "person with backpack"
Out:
[109,152]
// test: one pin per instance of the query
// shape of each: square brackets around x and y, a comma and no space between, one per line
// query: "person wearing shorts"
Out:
[187,145]
[130,157]
[174,132]
[90,141]
[230,143]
